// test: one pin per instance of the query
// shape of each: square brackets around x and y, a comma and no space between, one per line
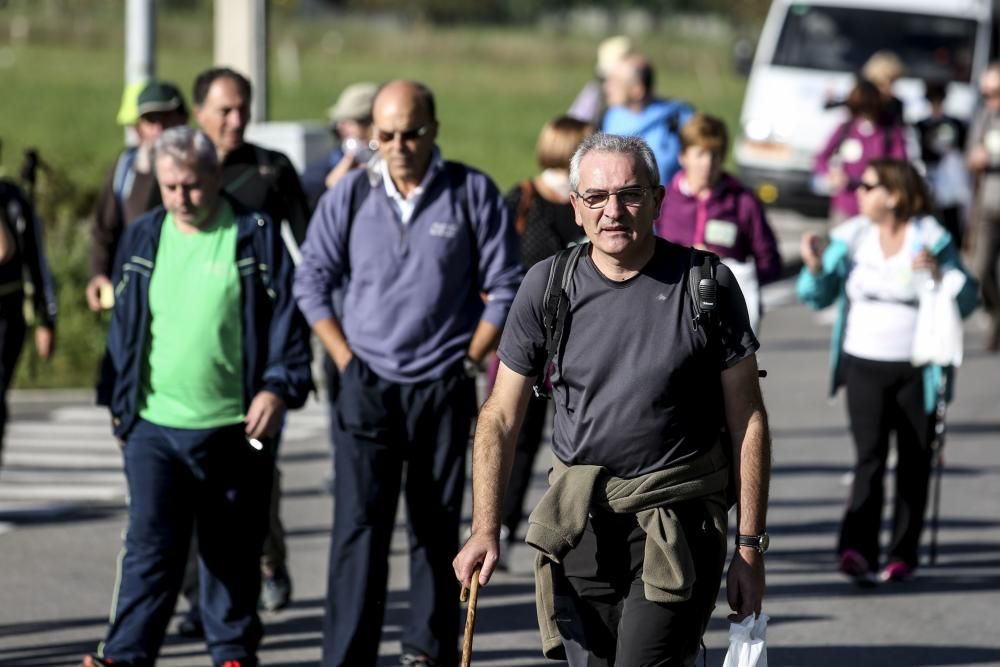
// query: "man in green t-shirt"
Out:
[206,351]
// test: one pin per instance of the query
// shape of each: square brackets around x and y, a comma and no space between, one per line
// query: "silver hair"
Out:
[188,146]
[615,143]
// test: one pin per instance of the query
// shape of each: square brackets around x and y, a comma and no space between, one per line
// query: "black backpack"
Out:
[702,289]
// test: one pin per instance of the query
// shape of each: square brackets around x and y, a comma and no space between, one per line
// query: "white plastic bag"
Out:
[937,338]
[747,643]
[746,277]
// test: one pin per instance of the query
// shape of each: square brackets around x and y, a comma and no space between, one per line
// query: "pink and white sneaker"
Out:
[856,567]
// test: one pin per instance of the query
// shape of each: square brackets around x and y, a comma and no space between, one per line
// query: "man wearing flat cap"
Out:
[130,188]
[351,123]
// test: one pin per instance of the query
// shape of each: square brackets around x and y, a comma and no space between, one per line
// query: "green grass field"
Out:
[495,88]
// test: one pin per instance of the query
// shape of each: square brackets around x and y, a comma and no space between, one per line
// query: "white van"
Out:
[808,54]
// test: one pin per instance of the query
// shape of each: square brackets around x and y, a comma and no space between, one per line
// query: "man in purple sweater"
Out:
[428,257]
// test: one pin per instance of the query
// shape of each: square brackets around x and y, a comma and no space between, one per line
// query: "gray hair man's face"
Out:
[614,203]
[189,192]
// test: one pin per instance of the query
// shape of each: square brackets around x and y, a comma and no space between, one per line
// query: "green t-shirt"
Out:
[193,375]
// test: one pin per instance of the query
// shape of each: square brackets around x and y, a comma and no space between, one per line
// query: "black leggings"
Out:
[12,332]
[885,397]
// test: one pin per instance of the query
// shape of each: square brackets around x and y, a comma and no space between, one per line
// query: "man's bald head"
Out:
[405,126]
[409,93]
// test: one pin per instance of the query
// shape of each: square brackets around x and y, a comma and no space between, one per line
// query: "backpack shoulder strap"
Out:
[703,287]
[555,305]
[360,189]
[458,176]
[121,182]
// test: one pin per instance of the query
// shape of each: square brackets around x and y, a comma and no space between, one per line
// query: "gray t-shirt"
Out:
[636,387]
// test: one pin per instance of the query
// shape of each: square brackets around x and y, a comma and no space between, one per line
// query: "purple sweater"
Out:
[730,222]
[411,292]
[881,141]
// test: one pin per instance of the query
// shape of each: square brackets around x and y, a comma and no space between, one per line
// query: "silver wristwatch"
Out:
[759,542]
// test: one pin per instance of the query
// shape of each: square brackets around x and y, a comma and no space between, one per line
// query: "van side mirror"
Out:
[743,51]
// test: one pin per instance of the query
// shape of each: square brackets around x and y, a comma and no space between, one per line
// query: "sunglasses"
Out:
[404,135]
[631,197]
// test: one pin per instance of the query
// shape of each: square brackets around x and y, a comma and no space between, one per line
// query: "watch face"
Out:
[765,542]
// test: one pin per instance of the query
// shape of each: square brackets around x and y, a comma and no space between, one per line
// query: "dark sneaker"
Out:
[895,572]
[416,659]
[191,625]
[856,567]
[275,589]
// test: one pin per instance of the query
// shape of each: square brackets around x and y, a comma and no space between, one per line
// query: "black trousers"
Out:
[390,437]
[886,397]
[12,331]
[528,441]
[607,618]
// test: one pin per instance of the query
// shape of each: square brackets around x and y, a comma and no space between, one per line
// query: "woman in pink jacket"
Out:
[871,132]
[707,208]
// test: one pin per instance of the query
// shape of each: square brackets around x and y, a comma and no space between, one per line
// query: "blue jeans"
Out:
[212,479]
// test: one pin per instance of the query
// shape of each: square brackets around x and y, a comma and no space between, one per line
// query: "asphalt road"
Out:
[61,517]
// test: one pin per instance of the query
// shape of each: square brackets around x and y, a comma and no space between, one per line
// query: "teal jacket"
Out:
[822,289]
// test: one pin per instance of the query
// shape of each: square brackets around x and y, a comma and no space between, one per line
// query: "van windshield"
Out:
[842,38]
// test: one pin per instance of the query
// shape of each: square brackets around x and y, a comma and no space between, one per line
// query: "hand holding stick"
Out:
[470,595]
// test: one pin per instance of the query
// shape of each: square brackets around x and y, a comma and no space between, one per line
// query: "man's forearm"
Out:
[753,453]
[492,457]
[332,336]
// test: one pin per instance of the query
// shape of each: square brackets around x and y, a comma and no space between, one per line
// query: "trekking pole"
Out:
[937,454]
[471,595]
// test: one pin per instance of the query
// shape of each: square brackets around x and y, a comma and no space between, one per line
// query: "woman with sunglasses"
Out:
[870,132]
[874,267]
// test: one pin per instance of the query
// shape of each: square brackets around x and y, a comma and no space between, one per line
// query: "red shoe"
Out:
[897,571]
[94,661]
[856,567]
[242,662]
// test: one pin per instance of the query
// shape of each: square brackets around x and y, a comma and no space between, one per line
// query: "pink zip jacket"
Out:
[730,222]
[879,141]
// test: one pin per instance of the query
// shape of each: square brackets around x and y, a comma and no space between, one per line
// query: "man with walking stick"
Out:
[632,532]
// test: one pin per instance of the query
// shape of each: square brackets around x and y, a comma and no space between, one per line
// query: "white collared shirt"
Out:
[406,205]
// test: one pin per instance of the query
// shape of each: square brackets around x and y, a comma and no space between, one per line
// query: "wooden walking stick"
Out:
[471,595]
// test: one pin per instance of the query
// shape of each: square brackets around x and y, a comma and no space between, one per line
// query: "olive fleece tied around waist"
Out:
[559,520]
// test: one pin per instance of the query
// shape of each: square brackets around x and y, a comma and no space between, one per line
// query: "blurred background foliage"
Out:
[500,69]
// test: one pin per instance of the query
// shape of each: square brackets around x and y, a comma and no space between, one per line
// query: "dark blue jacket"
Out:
[275,335]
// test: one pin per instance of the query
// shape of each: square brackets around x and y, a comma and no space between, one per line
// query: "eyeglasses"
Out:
[631,197]
[866,187]
[384,137]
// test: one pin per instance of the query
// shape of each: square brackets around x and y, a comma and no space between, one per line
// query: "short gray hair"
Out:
[186,145]
[615,143]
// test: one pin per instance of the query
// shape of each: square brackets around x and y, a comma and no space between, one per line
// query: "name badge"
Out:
[992,142]
[721,233]
[851,150]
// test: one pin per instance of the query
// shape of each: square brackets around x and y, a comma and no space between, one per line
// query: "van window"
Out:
[843,38]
